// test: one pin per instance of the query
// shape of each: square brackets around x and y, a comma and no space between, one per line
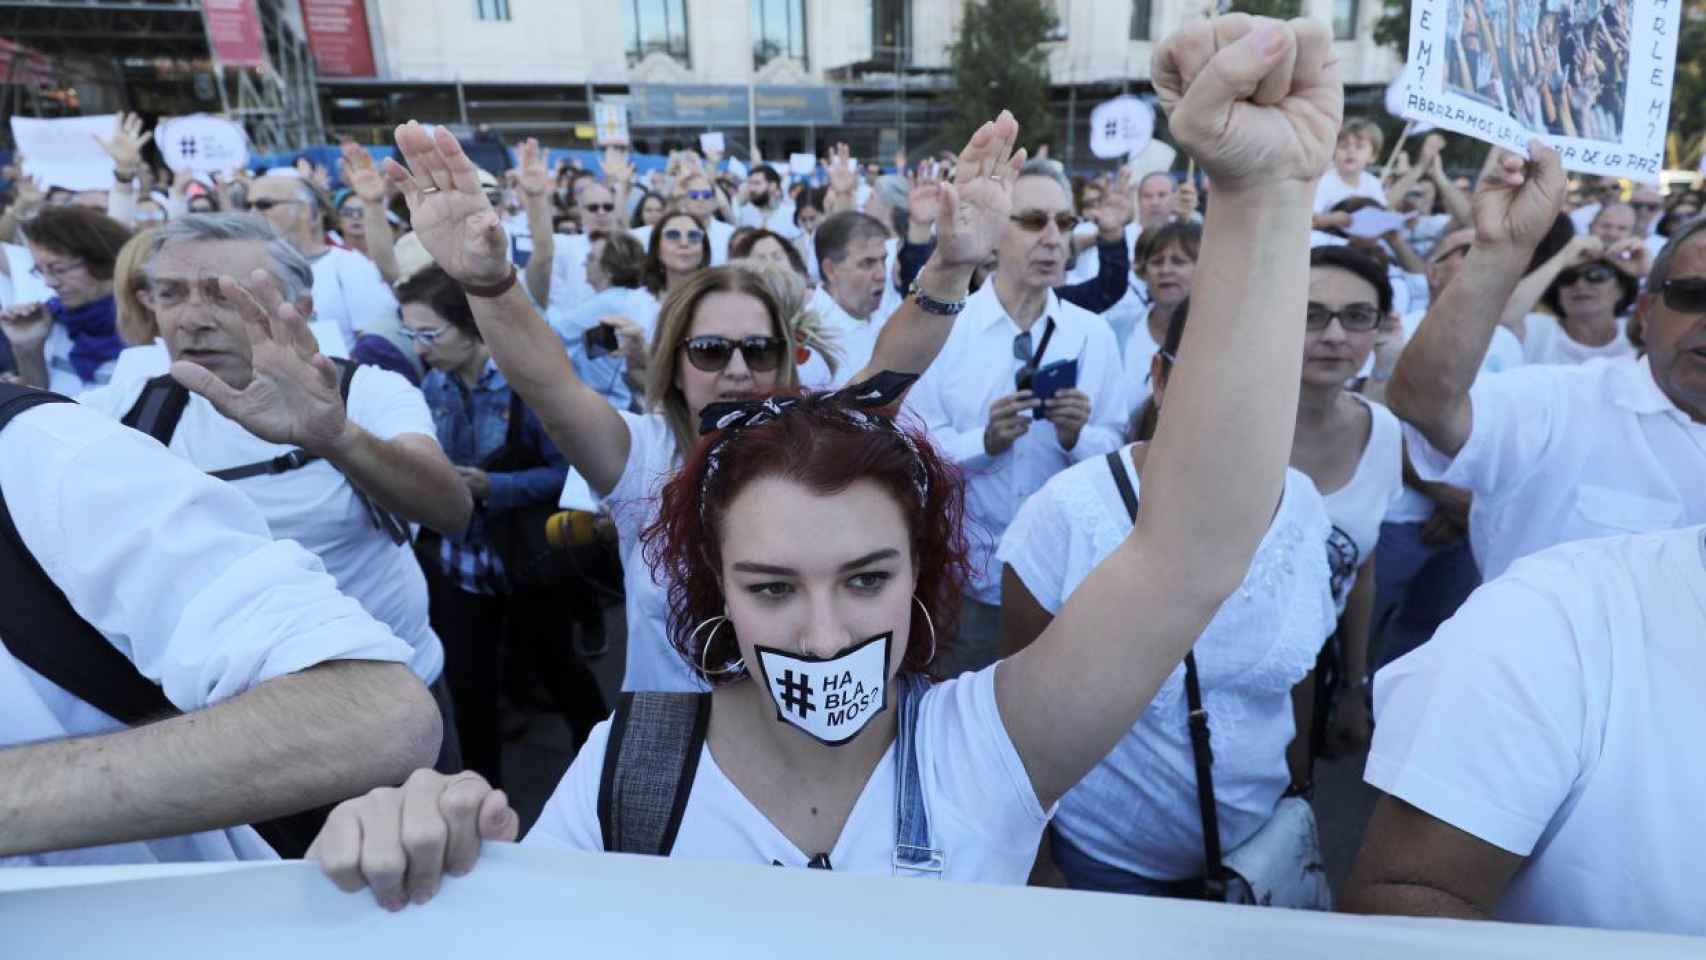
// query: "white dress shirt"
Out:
[854,339]
[778,220]
[179,572]
[315,505]
[1561,453]
[974,369]
[1557,716]
[349,291]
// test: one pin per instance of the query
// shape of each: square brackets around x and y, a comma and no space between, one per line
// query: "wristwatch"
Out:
[929,304]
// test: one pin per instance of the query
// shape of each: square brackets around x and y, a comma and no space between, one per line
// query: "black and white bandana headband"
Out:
[859,404]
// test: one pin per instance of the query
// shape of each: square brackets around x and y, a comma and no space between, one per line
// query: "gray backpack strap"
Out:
[914,856]
[649,765]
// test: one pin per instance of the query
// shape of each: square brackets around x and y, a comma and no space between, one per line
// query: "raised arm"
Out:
[457,225]
[1257,102]
[970,214]
[363,177]
[1514,207]
[535,182]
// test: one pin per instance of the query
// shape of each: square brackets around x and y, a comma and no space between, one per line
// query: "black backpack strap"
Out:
[394,526]
[159,408]
[42,630]
[1201,749]
[649,765]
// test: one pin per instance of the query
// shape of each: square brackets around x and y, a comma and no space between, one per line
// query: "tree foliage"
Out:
[1280,9]
[1000,62]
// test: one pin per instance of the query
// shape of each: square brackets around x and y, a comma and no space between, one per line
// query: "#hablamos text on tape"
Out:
[1591,78]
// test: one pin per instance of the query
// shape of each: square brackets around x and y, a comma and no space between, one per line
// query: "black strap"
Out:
[1042,346]
[649,764]
[1201,749]
[159,408]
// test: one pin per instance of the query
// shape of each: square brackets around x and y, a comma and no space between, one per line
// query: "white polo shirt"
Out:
[349,291]
[1558,716]
[1560,453]
[179,572]
[315,505]
[974,369]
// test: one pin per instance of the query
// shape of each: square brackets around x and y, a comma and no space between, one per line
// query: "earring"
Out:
[929,623]
[738,666]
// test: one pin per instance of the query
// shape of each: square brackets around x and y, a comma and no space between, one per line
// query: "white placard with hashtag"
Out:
[202,144]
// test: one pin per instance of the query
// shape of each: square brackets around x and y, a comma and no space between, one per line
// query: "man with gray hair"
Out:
[348,289]
[337,457]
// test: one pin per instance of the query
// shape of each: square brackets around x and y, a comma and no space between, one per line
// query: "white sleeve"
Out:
[569,820]
[1511,426]
[928,406]
[387,406]
[629,501]
[564,276]
[1036,545]
[974,781]
[371,305]
[176,569]
[1482,726]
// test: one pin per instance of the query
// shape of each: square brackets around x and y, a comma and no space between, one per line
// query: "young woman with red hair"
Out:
[810,541]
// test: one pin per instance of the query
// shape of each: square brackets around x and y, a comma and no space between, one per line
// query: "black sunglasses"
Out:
[263,205]
[1685,296]
[1036,221]
[1356,318]
[1594,274]
[599,207]
[712,354]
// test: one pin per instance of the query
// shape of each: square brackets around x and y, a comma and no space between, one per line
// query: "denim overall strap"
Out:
[914,856]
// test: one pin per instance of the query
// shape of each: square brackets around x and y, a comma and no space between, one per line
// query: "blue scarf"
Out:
[94,333]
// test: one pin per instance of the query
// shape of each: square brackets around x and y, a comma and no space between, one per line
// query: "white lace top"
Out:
[1137,810]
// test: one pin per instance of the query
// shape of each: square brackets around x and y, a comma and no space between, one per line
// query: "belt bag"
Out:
[1280,866]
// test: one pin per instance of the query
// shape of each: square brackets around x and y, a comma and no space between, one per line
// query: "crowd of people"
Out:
[970,520]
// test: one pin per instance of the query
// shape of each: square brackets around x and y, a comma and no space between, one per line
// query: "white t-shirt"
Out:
[1558,716]
[315,505]
[854,339]
[180,574]
[653,663]
[1138,363]
[1358,508]
[721,233]
[1545,341]
[1137,810]
[984,813]
[349,291]
[1560,453]
[1330,190]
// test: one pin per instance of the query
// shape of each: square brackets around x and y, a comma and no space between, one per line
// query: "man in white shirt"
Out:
[348,289]
[293,696]
[1558,453]
[1648,204]
[969,401]
[762,203]
[853,261]
[334,470]
[1540,757]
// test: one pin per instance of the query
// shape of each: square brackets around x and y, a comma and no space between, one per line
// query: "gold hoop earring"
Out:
[730,669]
[929,623]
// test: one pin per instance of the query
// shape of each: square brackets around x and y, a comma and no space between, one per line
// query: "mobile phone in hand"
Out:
[601,341]
[1051,378]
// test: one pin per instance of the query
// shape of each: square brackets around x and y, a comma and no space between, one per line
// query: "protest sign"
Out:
[611,119]
[1121,126]
[63,152]
[1371,222]
[801,164]
[712,143]
[202,144]
[1395,105]
[1591,78]
[1156,157]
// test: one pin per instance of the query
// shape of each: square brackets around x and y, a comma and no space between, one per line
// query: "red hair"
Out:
[815,444]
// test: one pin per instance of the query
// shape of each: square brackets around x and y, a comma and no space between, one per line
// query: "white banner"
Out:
[524,899]
[1591,78]
[1121,126]
[202,144]
[62,152]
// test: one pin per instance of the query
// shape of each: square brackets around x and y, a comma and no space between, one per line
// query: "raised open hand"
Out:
[449,211]
[1256,101]
[293,394]
[1516,203]
[842,178]
[125,145]
[618,169]
[924,199]
[534,179]
[1115,209]
[973,209]
[360,173]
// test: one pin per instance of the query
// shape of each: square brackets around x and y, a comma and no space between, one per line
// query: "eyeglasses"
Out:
[712,354]
[598,207]
[1642,206]
[353,213]
[1356,318]
[1685,296]
[1593,274]
[676,235]
[1036,221]
[264,204]
[168,294]
[428,337]
[56,270]
[701,194]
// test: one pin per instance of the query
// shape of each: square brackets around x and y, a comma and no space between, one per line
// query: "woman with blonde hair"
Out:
[817,352]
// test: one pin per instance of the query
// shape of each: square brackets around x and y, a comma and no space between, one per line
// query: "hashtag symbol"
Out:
[796,694]
[186,146]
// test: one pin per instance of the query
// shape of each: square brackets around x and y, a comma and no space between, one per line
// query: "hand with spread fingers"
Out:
[125,145]
[292,396]
[925,196]
[450,213]
[360,173]
[535,177]
[1256,101]
[1115,210]
[973,207]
